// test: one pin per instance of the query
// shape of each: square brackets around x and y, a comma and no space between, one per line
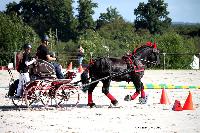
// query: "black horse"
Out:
[129,68]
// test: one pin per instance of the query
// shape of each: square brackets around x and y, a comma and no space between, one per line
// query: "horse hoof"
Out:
[127,98]
[143,100]
[115,102]
[91,105]
[84,90]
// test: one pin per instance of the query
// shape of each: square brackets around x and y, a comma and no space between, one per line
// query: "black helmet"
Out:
[45,38]
[27,46]
[52,54]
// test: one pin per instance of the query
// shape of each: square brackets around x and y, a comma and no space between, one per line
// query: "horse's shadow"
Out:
[12,108]
[81,106]
[96,106]
[53,107]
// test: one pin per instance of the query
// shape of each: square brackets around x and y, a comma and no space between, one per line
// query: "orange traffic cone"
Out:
[177,106]
[164,99]
[69,67]
[188,103]
[80,69]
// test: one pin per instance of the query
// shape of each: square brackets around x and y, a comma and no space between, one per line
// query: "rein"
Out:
[153,62]
[104,78]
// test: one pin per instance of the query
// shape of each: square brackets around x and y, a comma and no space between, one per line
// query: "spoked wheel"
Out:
[19,102]
[67,97]
[45,98]
[33,97]
[48,98]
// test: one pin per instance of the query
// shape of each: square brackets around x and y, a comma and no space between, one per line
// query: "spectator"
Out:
[80,55]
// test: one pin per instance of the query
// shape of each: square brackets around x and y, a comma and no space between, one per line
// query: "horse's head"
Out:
[148,54]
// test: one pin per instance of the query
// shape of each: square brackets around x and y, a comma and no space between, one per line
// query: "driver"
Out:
[44,54]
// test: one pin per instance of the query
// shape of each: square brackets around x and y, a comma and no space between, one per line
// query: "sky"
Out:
[179,10]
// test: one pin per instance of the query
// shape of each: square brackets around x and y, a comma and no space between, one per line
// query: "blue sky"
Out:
[180,10]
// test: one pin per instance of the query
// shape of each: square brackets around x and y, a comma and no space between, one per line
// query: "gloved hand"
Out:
[34,60]
[30,62]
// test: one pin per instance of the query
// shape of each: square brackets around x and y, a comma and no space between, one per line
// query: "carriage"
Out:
[45,89]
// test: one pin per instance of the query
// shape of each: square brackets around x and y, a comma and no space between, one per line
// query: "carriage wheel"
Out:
[48,98]
[45,98]
[19,102]
[67,97]
[33,96]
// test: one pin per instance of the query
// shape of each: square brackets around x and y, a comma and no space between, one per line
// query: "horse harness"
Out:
[133,63]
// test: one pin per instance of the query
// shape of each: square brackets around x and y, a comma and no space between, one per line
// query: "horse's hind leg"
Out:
[105,90]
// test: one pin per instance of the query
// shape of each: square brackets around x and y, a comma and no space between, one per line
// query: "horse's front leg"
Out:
[139,89]
[90,91]
[105,90]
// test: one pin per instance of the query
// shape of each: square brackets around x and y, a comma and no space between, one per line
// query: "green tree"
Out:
[178,50]
[188,30]
[70,22]
[111,15]
[152,16]
[44,15]
[93,42]
[85,12]
[120,37]
[13,35]
[13,8]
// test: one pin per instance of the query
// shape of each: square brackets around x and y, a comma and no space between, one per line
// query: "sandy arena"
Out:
[132,117]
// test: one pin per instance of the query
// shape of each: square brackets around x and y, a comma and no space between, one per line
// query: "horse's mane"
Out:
[140,49]
[143,47]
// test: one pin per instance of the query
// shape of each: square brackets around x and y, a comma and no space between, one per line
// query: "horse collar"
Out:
[133,63]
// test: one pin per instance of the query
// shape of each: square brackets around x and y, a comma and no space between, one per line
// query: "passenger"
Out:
[23,69]
[43,53]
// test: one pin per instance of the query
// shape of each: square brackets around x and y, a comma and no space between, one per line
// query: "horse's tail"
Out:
[85,80]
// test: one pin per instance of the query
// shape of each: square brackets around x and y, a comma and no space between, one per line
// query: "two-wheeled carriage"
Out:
[50,92]
[45,89]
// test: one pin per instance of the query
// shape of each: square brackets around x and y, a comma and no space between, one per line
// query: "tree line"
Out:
[109,35]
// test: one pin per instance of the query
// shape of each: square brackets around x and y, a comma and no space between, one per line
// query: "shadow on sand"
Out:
[43,108]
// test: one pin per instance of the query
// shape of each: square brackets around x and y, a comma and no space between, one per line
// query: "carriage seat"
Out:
[43,69]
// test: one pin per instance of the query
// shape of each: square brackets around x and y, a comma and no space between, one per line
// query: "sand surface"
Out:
[131,117]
